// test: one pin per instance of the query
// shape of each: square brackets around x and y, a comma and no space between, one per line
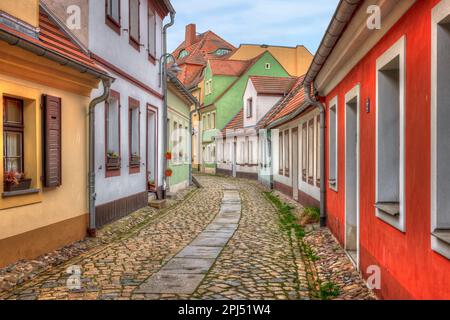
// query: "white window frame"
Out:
[398,49]
[440,13]
[334,104]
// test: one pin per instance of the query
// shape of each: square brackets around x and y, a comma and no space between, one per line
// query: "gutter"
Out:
[164,89]
[41,51]
[341,18]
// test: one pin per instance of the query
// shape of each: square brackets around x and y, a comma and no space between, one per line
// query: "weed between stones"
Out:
[289,223]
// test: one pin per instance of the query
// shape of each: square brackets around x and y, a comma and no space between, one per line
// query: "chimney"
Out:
[191,34]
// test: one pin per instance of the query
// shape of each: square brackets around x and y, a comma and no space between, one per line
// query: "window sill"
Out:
[152,59]
[333,185]
[442,235]
[110,22]
[135,169]
[135,44]
[441,242]
[390,213]
[110,173]
[20,193]
[390,208]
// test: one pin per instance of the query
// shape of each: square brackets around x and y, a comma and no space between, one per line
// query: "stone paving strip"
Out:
[184,273]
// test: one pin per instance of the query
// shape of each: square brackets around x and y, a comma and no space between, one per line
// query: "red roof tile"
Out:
[236,123]
[200,52]
[290,103]
[52,37]
[273,85]
[228,67]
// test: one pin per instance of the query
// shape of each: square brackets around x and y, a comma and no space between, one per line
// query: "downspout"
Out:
[196,110]
[165,111]
[92,193]
[323,187]
[341,18]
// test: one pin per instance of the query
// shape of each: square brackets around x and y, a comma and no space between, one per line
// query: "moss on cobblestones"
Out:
[290,224]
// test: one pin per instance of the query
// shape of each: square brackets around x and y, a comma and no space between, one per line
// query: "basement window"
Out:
[333,151]
[390,136]
[440,117]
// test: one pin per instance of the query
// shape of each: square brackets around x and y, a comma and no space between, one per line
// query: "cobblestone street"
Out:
[254,257]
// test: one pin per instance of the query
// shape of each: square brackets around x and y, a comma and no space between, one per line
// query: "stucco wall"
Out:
[295,60]
[409,267]
[232,101]
[68,201]
[25,10]
[136,64]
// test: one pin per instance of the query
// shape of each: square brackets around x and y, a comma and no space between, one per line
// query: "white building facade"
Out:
[242,148]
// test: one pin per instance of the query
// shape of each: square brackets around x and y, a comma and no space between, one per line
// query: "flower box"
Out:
[112,163]
[23,184]
[135,161]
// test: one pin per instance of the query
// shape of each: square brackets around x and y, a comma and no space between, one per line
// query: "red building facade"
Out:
[386,95]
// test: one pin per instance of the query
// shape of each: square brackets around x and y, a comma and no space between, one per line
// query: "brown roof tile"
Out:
[236,123]
[290,103]
[273,85]
[228,67]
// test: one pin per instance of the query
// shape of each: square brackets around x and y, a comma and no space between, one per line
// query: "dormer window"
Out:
[222,52]
[268,66]
[183,54]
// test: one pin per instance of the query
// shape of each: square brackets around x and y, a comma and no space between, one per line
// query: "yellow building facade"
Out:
[43,216]
[296,60]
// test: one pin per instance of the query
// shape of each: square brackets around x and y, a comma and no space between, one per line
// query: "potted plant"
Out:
[169,172]
[168,155]
[135,160]
[112,161]
[15,181]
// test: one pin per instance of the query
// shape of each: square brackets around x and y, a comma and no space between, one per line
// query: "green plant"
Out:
[312,213]
[112,155]
[328,290]
[13,177]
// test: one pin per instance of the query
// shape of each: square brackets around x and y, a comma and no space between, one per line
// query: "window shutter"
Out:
[51,141]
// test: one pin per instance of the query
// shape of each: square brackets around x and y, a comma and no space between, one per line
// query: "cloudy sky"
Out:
[275,22]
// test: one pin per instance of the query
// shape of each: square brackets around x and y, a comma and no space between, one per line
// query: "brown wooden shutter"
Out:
[51,141]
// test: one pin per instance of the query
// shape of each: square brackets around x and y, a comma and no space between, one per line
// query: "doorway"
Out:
[152,139]
[352,175]
[295,163]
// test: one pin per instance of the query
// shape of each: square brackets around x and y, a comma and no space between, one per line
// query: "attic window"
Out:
[268,66]
[222,52]
[183,54]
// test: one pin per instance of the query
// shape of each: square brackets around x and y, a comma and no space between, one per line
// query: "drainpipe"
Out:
[341,18]
[196,110]
[165,111]
[92,194]
[323,187]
